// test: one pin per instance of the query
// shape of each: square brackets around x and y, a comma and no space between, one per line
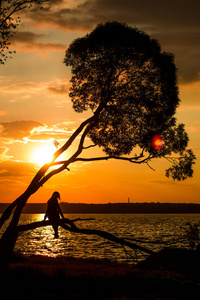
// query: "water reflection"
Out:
[41,240]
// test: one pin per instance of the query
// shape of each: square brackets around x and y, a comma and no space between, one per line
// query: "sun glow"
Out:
[43,154]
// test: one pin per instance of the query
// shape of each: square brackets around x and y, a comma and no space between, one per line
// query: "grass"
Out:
[169,274]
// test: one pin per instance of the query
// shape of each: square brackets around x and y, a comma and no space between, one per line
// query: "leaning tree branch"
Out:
[69,161]
[90,121]
[107,236]
[8,211]
[69,225]
[38,179]
[88,124]
[40,174]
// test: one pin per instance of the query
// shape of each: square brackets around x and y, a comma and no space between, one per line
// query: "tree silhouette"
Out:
[9,22]
[130,86]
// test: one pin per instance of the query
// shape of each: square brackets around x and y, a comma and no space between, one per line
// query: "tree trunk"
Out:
[7,242]
[9,237]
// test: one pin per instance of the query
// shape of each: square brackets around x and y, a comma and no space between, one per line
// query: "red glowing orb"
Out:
[157,142]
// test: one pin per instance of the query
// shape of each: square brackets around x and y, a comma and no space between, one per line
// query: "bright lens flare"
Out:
[157,142]
[43,154]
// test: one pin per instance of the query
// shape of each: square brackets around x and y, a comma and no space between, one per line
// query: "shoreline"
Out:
[114,208]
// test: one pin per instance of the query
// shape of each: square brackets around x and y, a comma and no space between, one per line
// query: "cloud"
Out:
[16,169]
[176,24]
[158,15]
[3,154]
[17,130]
[65,16]
[26,37]
[27,41]
[152,14]
[42,47]
[60,89]
[194,127]
[21,138]
[163,182]
[172,183]
[54,132]
[32,131]
[57,87]
[190,94]
[21,87]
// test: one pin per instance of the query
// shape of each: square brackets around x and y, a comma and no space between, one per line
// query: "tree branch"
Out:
[39,178]
[34,225]
[91,146]
[149,166]
[78,131]
[107,236]
[19,6]
[89,123]
[69,225]
[134,160]
[7,212]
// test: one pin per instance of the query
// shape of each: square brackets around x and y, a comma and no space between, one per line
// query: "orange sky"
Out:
[35,107]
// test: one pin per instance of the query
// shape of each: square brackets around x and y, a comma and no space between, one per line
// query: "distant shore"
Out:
[114,208]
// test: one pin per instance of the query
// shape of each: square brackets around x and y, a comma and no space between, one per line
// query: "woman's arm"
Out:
[45,216]
[59,210]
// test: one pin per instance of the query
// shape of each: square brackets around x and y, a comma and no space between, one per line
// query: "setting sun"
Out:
[43,154]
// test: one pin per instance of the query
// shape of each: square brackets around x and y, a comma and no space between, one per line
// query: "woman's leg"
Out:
[55,228]
[54,219]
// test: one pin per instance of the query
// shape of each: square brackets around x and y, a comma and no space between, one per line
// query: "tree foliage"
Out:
[125,71]
[9,22]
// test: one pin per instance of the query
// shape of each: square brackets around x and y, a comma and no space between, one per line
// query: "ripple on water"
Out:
[137,226]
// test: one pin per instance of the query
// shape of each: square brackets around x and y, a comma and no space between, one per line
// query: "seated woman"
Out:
[53,212]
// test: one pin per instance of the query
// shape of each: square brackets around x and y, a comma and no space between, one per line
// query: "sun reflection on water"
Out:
[41,241]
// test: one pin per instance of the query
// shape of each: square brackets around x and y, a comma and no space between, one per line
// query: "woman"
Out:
[53,212]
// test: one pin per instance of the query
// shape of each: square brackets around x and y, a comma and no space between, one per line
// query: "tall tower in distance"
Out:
[128,200]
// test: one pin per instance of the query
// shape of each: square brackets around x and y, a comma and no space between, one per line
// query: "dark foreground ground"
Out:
[169,274]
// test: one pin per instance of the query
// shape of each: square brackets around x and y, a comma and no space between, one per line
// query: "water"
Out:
[135,226]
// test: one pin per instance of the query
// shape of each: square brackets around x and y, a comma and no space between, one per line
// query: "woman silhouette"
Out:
[53,212]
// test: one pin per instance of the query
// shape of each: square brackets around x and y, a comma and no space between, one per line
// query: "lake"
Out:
[133,226]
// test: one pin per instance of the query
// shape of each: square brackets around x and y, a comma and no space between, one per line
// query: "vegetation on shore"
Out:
[168,274]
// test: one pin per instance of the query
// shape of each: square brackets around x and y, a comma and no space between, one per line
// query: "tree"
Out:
[9,23]
[130,86]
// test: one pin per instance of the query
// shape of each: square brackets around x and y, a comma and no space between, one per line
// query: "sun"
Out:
[43,154]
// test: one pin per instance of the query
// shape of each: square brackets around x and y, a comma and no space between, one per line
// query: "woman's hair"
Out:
[56,195]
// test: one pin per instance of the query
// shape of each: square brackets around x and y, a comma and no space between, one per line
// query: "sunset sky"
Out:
[35,108]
